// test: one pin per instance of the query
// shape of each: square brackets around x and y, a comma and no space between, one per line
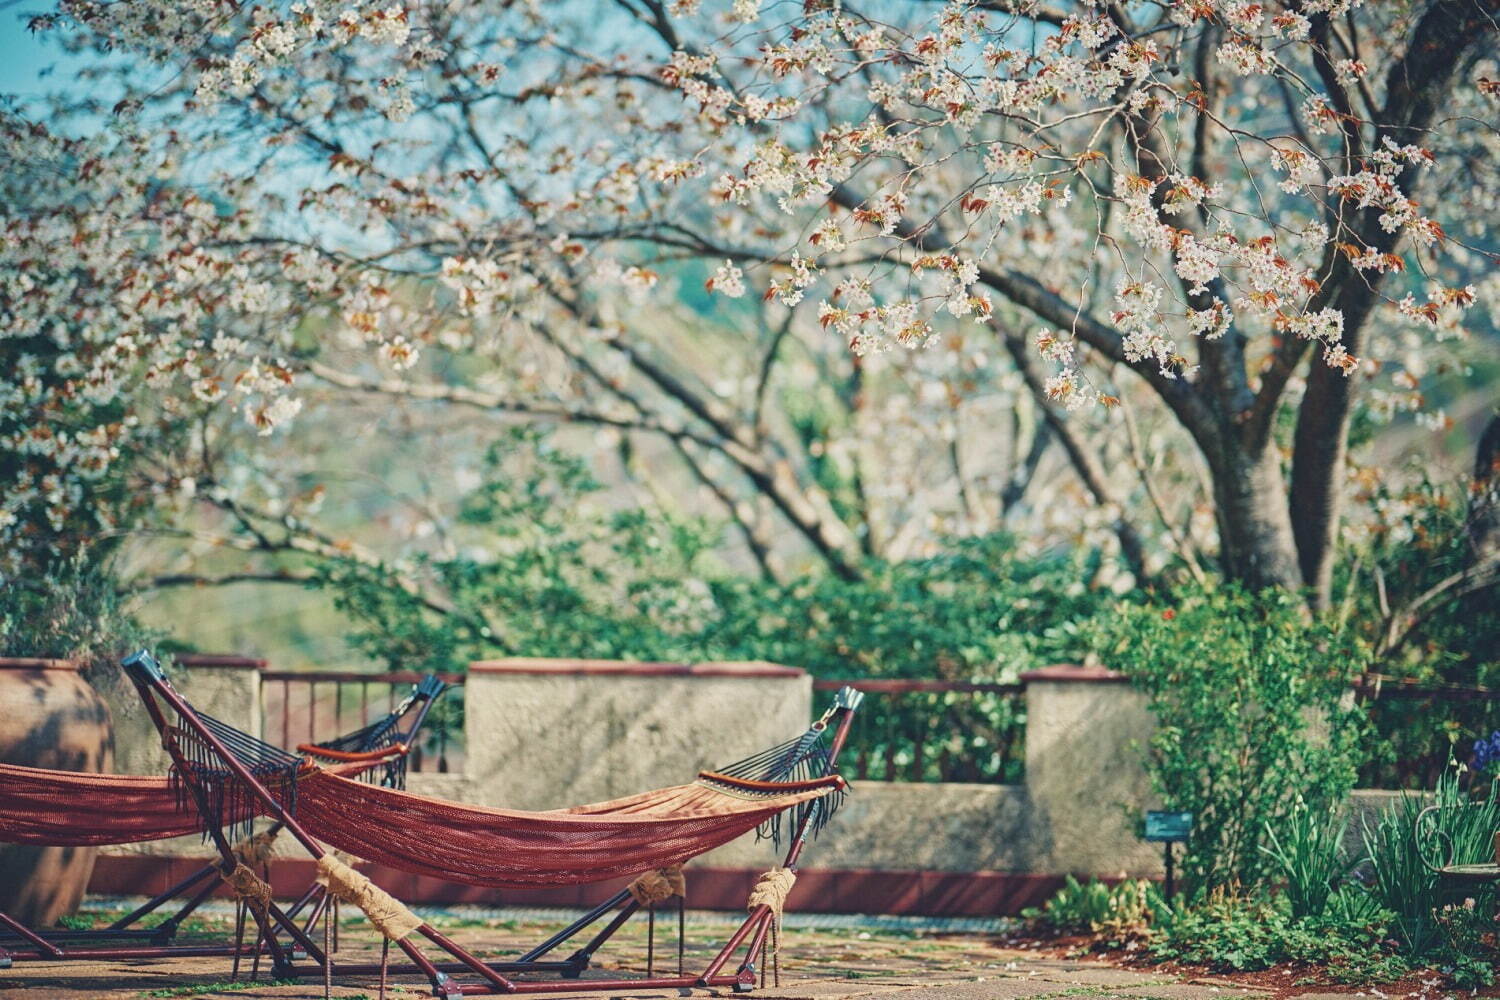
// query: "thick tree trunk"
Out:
[1484,501]
[1256,545]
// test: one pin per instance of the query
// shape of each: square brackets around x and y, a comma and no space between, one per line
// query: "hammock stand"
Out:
[751,935]
[383,745]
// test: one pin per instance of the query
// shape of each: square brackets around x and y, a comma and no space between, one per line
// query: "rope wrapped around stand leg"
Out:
[770,891]
[650,888]
[658,885]
[256,850]
[387,914]
[249,887]
[251,893]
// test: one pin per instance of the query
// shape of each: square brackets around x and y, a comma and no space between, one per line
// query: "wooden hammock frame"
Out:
[493,977]
[19,943]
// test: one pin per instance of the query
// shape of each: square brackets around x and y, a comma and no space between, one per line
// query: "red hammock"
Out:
[74,809]
[474,845]
[505,848]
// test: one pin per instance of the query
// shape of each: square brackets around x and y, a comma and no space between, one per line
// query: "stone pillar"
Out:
[225,687]
[547,733]
[1086,733]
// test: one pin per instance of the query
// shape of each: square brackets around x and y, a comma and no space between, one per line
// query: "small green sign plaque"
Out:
[1168,827]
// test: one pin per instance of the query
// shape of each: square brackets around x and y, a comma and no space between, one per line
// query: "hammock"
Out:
[505,848]
[474,845]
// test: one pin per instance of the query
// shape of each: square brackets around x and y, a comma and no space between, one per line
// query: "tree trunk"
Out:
[1256,545]
[1449,34]
[1484,500]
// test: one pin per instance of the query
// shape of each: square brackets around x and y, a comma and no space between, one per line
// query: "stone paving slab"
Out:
[1196,991]
[1106,976]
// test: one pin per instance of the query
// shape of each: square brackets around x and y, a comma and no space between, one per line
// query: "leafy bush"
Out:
[1248,935]
[1422,537]
[1249,698]
[1130,905]
[1309,856]
[72,609]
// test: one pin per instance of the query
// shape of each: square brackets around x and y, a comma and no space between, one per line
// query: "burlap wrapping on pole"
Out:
[658,885]
[256,850]
[770,891]
[249,887]
[388,915]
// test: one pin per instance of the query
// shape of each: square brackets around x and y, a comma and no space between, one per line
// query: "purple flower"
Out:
[1487,752]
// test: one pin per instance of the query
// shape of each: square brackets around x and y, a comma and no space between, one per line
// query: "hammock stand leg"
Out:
[317,911]
[574,928]
[239,938]
[651,940]
[579,960]
[147,686]
[43,946]
[161,934]
[206,872]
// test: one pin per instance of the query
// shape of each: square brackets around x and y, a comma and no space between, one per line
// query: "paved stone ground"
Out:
[816,964]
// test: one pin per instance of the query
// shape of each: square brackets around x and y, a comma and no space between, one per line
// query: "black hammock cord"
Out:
[231,805]
[802,759]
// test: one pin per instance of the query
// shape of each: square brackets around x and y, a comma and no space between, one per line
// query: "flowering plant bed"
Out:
[1283,980]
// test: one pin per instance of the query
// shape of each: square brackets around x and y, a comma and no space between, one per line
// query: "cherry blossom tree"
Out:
[1244,218]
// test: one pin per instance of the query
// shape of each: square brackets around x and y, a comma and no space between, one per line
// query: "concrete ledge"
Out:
[1072,673]
[36,663]
[818,890]
[227,661]
[617,668]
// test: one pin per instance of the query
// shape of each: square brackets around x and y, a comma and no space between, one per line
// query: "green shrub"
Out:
[72,609]
[1094,907]
[1248,935]
[1309,856]
[1249,697]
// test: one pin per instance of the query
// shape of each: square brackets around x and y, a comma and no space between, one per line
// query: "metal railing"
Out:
[1421,726]
[931,730]
[308,706]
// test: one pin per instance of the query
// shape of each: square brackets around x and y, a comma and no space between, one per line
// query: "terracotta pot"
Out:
[49,717]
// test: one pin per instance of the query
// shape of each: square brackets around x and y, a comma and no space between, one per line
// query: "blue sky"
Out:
[26,56]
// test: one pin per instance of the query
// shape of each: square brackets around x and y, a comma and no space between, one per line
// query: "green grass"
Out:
[210,988]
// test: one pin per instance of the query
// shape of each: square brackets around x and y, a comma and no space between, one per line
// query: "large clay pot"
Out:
[49,717]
